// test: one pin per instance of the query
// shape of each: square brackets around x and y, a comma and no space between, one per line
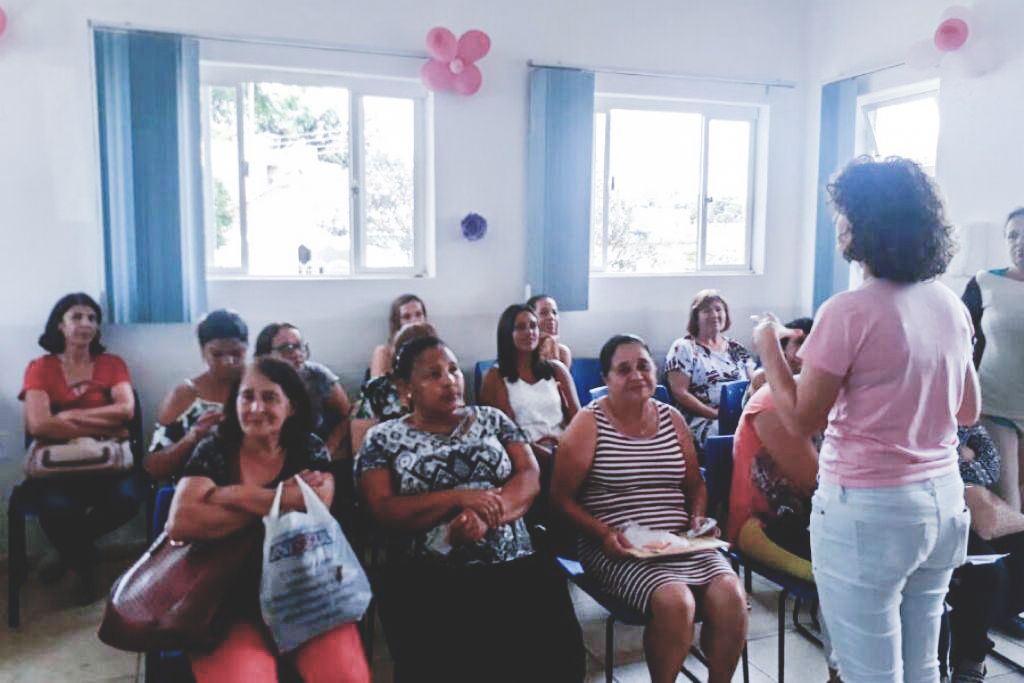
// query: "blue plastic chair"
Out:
[478,375]
[586,375]
[660,393]
[730,406]
[718,480]
[622,612]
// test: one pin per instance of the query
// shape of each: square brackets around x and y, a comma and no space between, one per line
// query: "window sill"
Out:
[224,277]
[739,272]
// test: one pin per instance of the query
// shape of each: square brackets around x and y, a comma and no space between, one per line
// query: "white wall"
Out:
[49,184]
[981,136]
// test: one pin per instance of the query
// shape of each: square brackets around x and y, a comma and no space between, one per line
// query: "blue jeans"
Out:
[882,560]
[75,512]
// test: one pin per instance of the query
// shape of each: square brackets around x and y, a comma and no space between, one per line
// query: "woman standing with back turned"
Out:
[888,366]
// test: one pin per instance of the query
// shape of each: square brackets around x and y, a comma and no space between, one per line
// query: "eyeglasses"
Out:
[292,348]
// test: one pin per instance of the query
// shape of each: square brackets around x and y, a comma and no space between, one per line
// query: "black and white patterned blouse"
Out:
[166,435]
[212,460]
[984,469]
[472,456]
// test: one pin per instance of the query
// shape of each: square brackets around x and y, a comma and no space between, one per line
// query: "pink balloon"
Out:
[441,44]
[3,21]
[951,35]
[469,81]
[437,76]
[473,45]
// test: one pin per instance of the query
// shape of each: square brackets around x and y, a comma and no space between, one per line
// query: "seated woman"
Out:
[790,349]
[699,363]
[774,475]
[405,310]
[379,399]
[78,390]
[628,458]
[195,406]
[463,597]
[539,395]
[986,595]
[547,313]
[228,483]
[330,402]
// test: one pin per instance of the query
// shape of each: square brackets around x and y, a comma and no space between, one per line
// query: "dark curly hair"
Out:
[52,339]
[898,225]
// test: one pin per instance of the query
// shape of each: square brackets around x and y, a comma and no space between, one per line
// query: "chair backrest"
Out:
[161,509]
[730,406]
[660,393]
[718,474]
[586,375]
[478,375]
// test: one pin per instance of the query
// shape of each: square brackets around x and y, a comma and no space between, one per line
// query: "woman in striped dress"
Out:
[628,458]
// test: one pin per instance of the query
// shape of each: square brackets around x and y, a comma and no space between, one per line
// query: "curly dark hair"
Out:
[52,339]
[898,225]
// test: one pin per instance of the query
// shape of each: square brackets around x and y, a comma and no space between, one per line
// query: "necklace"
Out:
[644,431]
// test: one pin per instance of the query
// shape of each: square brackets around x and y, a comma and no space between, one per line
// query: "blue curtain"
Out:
[148,93]
[838,130]
[560,164]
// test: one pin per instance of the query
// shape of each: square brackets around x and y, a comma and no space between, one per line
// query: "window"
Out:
[901,122]
[673,187]
[311,174]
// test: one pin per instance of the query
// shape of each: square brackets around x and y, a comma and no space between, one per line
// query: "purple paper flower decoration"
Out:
[474,227]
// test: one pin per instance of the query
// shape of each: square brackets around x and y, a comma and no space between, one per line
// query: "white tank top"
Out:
[1002,365]
[538,407]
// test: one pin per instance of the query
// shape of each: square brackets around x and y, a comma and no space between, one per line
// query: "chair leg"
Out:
[782,636]
[609,649]
[371,629]
[16,561]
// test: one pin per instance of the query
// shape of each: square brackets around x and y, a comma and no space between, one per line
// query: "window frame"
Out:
[220,74]
[872,101]
[709,111]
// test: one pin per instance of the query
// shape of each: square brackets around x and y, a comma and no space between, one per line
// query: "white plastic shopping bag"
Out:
[312,580]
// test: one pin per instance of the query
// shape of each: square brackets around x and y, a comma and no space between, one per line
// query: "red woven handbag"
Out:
[171,598]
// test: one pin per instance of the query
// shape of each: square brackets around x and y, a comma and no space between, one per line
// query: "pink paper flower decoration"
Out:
[3,21]
[451,66]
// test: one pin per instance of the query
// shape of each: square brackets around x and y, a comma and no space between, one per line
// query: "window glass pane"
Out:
[728,191]
[389,126]
[653,191]
[907,129]
[297,186]
[222,160]
[597,194]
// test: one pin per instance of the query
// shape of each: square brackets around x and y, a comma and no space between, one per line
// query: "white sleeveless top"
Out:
[1002,365]
[537,406]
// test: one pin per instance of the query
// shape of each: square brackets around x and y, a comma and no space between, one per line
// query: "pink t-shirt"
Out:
[902,351]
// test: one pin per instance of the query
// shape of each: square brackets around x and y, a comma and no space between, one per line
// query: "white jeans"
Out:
[882,561]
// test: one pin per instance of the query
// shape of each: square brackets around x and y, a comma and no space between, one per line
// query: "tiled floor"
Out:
[57,643]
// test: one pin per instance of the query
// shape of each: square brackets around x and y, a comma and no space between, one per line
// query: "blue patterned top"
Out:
[472,456]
